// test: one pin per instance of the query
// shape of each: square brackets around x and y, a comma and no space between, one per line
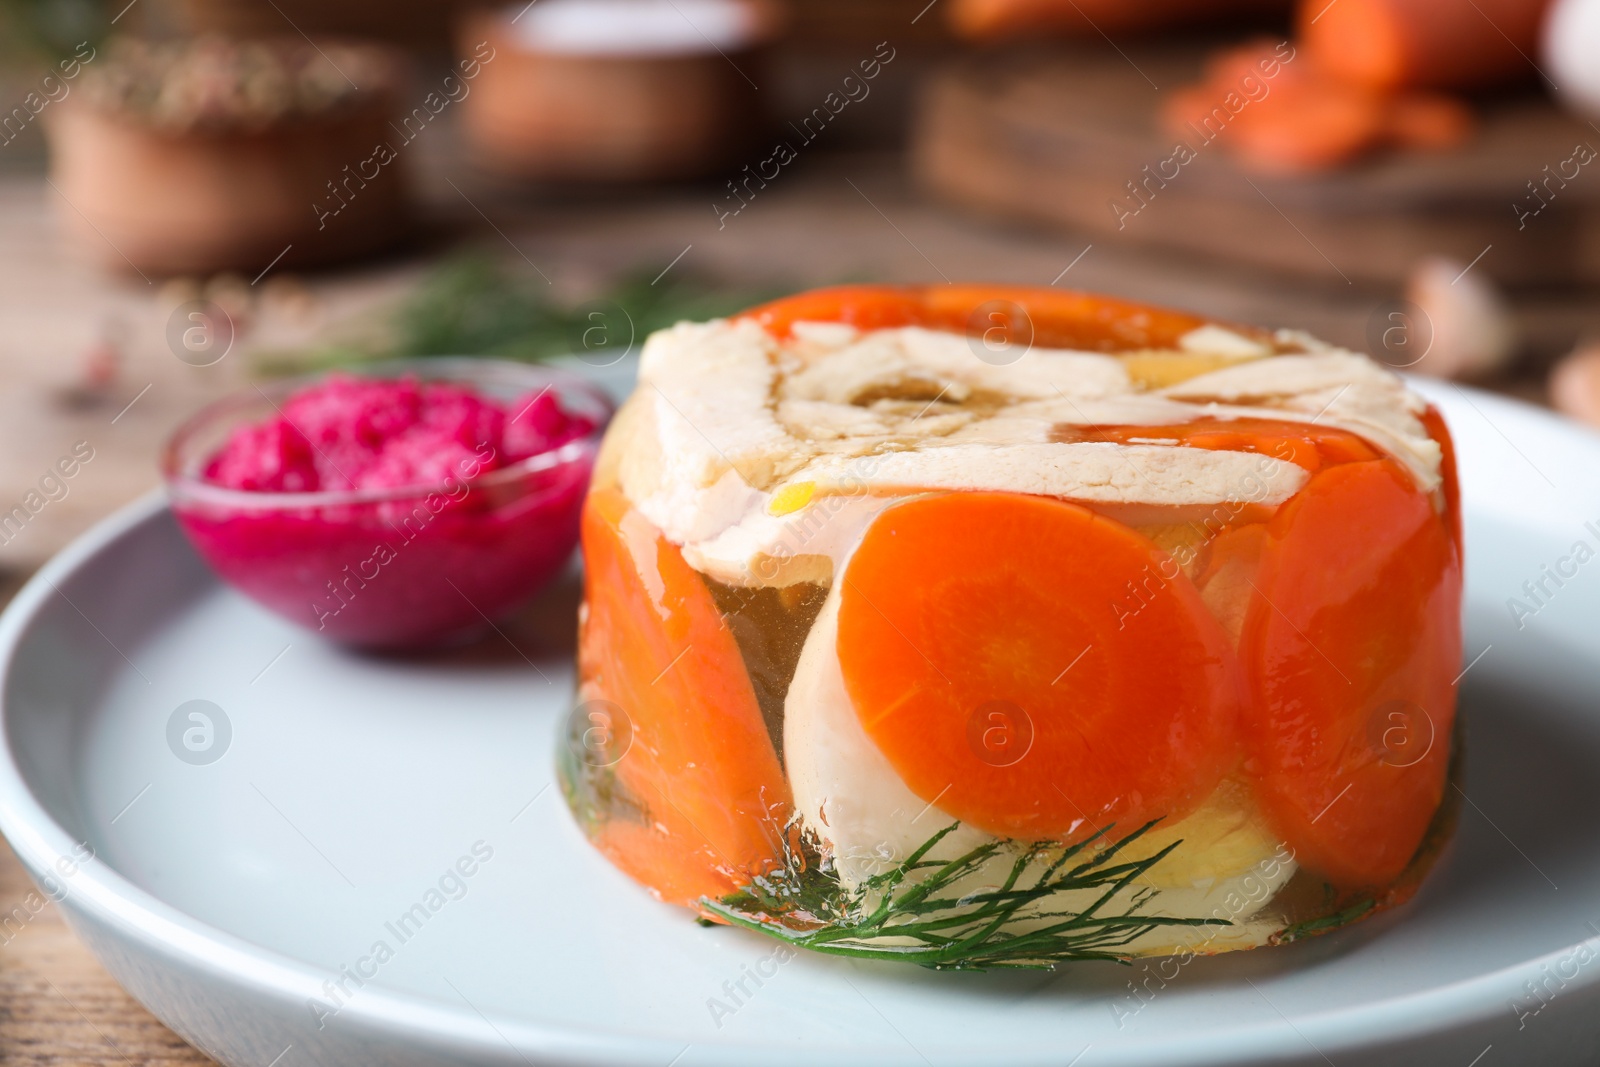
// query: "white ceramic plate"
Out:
[228,895]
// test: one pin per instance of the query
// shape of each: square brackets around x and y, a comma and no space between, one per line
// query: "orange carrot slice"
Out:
[1302,443]
[1034,669]
[866,307]
[1351,645]
[701,763]
[1051,318]
[1426,44]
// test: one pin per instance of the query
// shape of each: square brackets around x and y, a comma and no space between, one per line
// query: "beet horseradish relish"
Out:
[391,511]
[985,627]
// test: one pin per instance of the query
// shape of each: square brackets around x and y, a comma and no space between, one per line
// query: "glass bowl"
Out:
[393,568]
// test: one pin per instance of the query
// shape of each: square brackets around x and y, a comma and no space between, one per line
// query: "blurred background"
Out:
[195,194]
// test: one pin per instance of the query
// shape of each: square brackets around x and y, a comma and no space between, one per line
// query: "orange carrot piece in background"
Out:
[1269,61]
[1429,122]
[701,763]
[1184,112]
[1352,645]
[1115,690]
[1422,44]
[1289,122]
[1309,125]
[1301,120]
[986,20]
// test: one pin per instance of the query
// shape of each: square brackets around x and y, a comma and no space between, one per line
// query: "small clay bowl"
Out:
[615,91]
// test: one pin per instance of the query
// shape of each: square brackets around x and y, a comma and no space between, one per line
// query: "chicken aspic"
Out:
[987,627]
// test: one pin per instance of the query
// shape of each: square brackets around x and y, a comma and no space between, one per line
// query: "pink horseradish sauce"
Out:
[395,513]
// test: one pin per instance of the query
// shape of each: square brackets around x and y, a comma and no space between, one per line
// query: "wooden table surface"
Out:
[834,217]
[57,1006]
[1058,135]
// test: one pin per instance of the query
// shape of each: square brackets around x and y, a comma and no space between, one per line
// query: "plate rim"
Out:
[139,916]
[112,899]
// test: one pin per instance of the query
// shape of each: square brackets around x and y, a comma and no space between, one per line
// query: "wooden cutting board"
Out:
[1056,134]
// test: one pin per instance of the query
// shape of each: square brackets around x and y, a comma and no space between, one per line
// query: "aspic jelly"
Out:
[992,627]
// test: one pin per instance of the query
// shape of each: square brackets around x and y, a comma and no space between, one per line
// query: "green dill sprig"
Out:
[1311,927]
[50,30]
[472,304]
[915,912]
